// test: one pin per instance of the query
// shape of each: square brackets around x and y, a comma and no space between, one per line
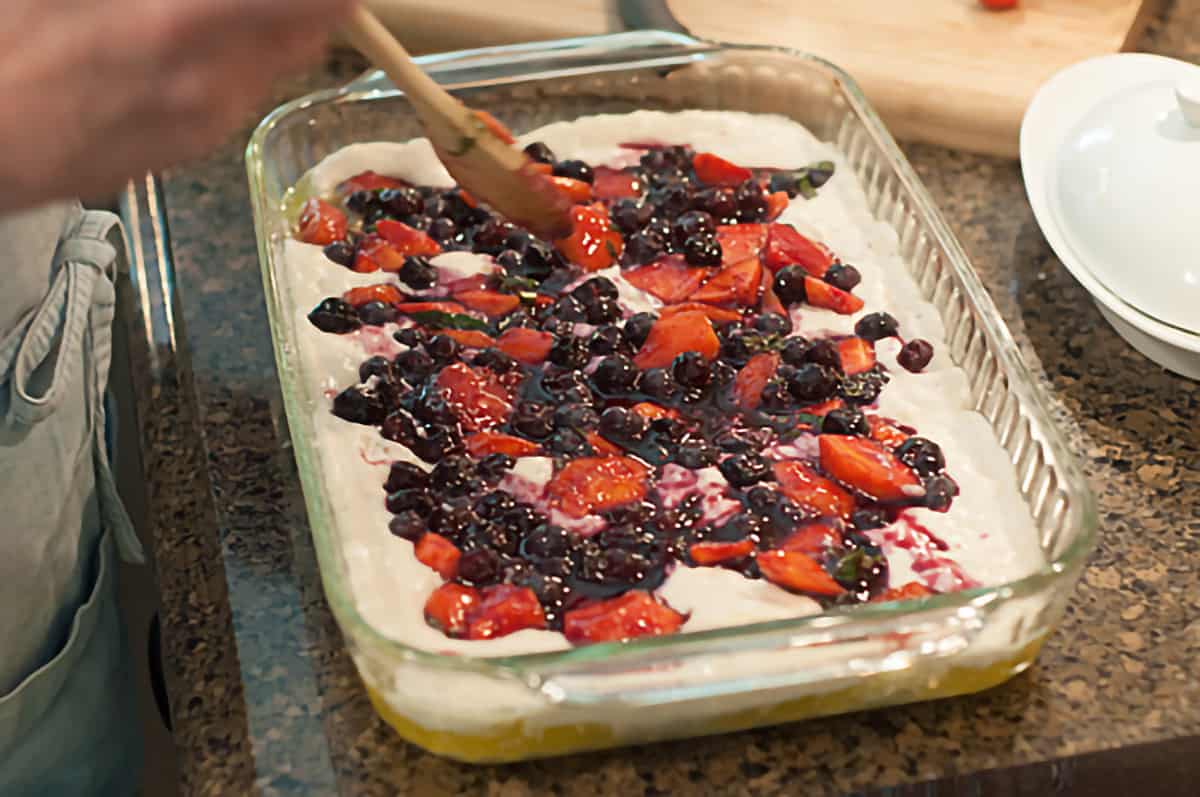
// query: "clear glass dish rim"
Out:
[1032,401]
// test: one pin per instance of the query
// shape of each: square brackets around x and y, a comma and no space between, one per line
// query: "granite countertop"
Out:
[266,699]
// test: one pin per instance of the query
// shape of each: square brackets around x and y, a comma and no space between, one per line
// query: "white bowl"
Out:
[1110,150]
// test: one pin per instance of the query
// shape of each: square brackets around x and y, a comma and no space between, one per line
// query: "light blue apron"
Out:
[68,719]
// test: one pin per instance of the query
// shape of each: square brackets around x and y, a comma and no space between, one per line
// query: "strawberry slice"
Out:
[858,355]
[447,608]
[476,395]
[536,167]
[737,283]
[435,551]
[593,244]
[669,278]
[368,181]
[715,170]
[383,292]
[375,254]
[492,303]
[597,484]
[824,408]
[406,240]
[777,202]
[504,609]
[603,446]
[812,539]
[811,490]
[797,572]
[909,591]
[822,294]
[770,300]
[883,431]
[408,308]
[868,467]
[786,247]
[672,336]
[577,192]
[475,282]
[750,382]
[652,412]
[740,241]
[528,346]
[614,184]
[321,223]
[717,315]
[495,127]
[634,614]
[714,552]
[471,338]
[481,444]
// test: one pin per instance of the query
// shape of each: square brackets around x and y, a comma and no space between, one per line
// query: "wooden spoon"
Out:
[475,148]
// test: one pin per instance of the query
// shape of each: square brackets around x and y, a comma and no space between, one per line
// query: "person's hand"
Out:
[95,92]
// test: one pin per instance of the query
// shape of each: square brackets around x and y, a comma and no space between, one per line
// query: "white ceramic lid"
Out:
[1124,190]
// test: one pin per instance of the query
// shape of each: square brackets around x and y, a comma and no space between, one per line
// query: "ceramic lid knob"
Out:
[1187,92]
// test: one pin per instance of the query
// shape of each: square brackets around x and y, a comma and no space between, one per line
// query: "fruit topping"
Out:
[715,552]
[336,316]
[797,572]
[670,337]
[481,444]
[753,378]
[503,609]
[406,240]
[910,591]
[876,326]
[634,614]
[822,294]
[475,396]
[435,551]
[812,491]
[714,170]
[870,468]
[856,355]
[915,355]
[593,244]
[321,223]
[737,284]
[449,605]
[668,278]
[787,247]
[597,484]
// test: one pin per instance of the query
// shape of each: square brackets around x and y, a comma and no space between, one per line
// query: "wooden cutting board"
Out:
[943,71]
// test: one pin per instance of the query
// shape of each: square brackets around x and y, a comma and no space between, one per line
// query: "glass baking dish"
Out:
[504,709]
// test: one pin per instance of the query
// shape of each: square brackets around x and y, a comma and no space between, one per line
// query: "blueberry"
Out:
[443,229]
[922,455]
[696,454]
[559,327]
[622,425]
[409,336]
[522,519]
[539,260]
[569,351]
[451,522]
[732,443]
[738,345]
[569,308]
[776,397]
[691,370]
[722,372]
[405,476]
[718,202]
[479,567]
[360,201]
[644,246]
[595,288]
[569,443]
[845,421]
[694,222]
[533,419]
[869,518]
[373,214]
[407,525]
[672,201]
[340,252]
[359,404]
[615,374]
[495,503]
[743,470]
[399,427]
[843,276]
[519,241]
[761,499]
[863,388]
[432,408]
[409,500]
[336,316]
[630,215]
[378,366]
[789,285]
[783,181]
[940,492]
[824,352]
[492,467]
[659,383]
[606,340]
[454,475]
[637,328]
[773,324]
[813,383]
[576,170]
[546,540]
[510,260]
[442,347]
[575,416]
[540,153]
[702,250]
[495,361]
[915,355]
[414,364]
[602,311]
[751,202]
[420,222]
[404,201]
[417,272]
[794,351]
[376,314]
[489,237]
[876,326]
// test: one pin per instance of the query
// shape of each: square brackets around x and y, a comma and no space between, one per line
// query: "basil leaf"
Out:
[804,187]
[517,285]
[849,566]
[442,320]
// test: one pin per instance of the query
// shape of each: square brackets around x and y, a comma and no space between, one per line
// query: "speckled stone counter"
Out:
[266,699]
